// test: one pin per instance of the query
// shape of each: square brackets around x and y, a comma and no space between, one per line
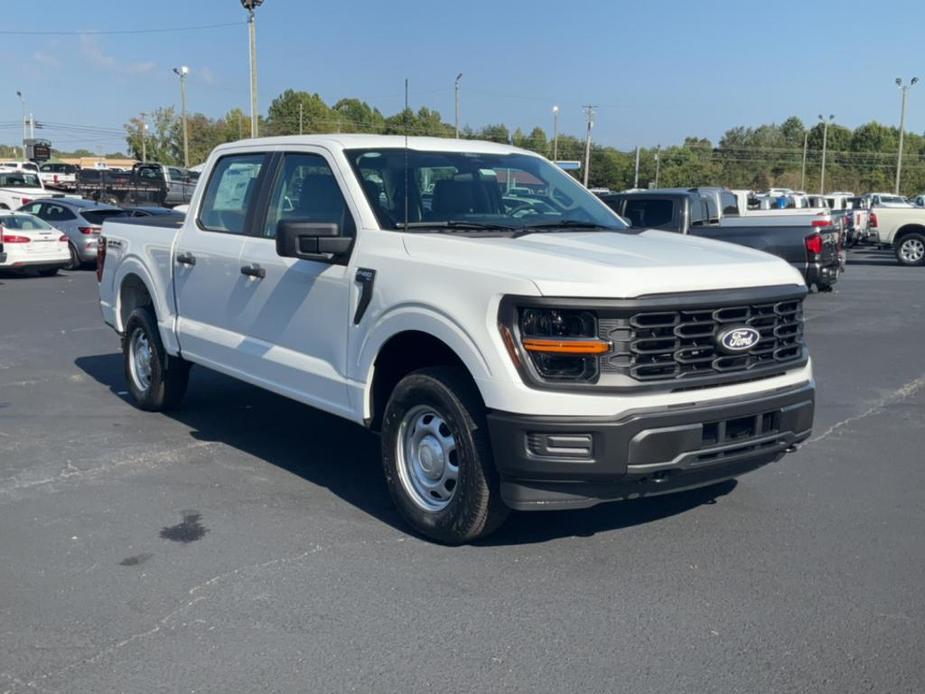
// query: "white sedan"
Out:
[30,243]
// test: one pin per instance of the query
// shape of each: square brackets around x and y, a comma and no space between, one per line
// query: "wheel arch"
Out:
[401,353]
[907,229]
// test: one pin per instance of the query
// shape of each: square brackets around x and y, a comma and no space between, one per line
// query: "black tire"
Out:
[475,508]
[910,249]
[48,272]
[74,263]
[169,375]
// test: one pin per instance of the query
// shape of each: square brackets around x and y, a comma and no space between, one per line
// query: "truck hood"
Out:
[608,264]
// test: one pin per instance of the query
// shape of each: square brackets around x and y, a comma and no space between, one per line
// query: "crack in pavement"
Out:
[72,472]
[164,621]
[897,395]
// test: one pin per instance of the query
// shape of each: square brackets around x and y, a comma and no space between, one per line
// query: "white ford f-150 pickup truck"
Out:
[513,352]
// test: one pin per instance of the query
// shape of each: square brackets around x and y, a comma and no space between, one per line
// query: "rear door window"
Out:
[231,190]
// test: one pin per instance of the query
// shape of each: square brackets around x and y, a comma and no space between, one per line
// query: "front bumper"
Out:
[568,462]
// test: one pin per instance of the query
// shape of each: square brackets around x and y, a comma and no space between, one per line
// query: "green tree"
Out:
[283,114]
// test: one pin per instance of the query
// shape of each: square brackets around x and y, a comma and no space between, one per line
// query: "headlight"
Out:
[560,344]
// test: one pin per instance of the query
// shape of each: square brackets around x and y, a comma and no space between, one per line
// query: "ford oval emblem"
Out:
[737,339]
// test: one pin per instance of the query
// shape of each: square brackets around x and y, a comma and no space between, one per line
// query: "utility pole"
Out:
[144,143]
[456,94]
[825,138]
[22,100]
[555,133]
[589,112]
[182,72]
[636,175]
[658,161]
[902,127]
[803,169]
[301,115]
[250,6]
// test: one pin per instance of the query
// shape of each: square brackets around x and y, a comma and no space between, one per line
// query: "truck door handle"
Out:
[186,258]
[254,271]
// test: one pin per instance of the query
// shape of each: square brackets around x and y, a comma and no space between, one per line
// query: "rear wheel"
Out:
[437,457]
[74,262]
[156,380]
[911,249]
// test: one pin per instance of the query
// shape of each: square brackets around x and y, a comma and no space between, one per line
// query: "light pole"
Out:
[825,138]
[589,112]
[902,127]
[555,133]
[456,94]
[22,100]
[183,71]
[250,6]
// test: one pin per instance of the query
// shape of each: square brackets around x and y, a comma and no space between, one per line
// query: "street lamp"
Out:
[22,100]
[902,127]
[456,92]
[250,6]
[182,72]
[825,137]
[555,133]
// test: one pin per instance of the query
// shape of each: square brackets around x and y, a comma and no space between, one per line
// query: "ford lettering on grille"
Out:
[739,339]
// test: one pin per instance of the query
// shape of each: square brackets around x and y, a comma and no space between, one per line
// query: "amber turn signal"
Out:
[551,346]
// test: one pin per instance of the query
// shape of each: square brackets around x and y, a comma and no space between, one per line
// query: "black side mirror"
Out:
[311,240]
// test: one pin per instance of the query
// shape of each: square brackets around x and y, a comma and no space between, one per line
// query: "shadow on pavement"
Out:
[343,457]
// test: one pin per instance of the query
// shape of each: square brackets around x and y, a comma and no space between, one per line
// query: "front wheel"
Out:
[911,249]
[156,380]
[437,457]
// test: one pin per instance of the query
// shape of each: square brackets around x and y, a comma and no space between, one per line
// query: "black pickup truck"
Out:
[811,250]
[144,184]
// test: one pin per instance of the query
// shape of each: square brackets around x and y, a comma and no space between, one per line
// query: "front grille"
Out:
[673,345]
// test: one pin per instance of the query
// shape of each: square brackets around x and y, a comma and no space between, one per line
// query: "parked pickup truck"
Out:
[813,251]
[510,355]
[902,229]
[59,176]
[20,187]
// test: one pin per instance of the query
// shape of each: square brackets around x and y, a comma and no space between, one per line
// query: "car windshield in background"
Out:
[19,179]
[23,222]
[99,216]
[472,191]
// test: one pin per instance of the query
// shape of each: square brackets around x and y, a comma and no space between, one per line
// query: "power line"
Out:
[110,32]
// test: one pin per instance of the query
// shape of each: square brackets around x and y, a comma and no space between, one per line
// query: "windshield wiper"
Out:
[455,224]
[566,224]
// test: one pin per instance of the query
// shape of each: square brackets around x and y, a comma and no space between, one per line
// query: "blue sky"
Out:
[658,70]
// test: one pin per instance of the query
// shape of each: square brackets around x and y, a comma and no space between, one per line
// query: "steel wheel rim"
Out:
[912,250]
[428,465]
[140,359]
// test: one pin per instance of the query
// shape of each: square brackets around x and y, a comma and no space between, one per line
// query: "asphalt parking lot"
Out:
[247,543]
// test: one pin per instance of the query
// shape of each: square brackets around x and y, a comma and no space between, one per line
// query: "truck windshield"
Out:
[474,191]
[19,179]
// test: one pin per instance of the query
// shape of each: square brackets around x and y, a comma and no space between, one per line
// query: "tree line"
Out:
[860,160]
